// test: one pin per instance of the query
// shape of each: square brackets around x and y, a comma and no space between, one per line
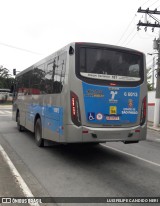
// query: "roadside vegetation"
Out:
[6,81]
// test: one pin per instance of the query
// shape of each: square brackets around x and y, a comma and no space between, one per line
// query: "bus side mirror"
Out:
[71,50]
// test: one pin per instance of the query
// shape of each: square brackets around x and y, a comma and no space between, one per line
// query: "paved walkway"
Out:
[8,183]
[150,126]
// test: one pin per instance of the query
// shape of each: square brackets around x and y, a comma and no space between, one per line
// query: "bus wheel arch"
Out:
[38,131]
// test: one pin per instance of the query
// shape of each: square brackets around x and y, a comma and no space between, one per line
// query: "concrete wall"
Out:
[151,105]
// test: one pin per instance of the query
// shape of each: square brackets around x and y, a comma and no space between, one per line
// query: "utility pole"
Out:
[153,69]
[156,45]
[153,73]
[146,24]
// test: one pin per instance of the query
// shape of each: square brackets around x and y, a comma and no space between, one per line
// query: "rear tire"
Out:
[130,142]
[38,133]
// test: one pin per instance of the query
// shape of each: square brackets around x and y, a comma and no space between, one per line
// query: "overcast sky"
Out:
[33,29]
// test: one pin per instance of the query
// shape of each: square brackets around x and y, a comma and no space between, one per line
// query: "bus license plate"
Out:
[112,118]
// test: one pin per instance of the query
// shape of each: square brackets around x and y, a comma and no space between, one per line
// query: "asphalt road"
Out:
[107,170]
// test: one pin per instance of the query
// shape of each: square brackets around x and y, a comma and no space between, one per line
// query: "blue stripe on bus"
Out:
[110,105]
[51,116]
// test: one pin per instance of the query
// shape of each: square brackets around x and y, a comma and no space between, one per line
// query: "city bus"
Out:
[84,93]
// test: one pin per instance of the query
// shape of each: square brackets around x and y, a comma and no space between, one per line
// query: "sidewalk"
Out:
[8,183]
[150,126]
[156,130]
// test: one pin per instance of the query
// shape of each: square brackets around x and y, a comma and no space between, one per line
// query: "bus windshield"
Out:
[110,64]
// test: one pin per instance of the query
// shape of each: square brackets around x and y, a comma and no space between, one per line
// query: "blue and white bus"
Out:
[84,93]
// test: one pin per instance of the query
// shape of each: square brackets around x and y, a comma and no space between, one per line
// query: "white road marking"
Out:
[26,191]
[140,158]
[5,113]
[8,112]
[6,106]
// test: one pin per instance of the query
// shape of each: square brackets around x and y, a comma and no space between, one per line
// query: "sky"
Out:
[33,29]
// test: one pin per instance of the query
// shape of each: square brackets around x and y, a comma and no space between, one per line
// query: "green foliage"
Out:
[149,85]
[5,78]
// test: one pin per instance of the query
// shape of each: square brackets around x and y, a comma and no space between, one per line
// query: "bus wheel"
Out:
[20,127]
[38,133]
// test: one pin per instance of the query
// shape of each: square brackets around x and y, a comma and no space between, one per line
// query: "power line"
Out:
[126,29]
[145,3]
[148,24]
[154,3]
[128,36]
[18,48]
[129,26]
[154,18]
[131,38]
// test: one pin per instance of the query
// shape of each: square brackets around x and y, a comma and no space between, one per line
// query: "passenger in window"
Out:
[123,67]
[102,67]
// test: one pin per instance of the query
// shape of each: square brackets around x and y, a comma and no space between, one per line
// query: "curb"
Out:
[154,128]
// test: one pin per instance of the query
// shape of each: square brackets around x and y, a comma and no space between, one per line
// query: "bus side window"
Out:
[19,87]
[38,80]
[27,83]
[49,75]
[55,74]
[59,74]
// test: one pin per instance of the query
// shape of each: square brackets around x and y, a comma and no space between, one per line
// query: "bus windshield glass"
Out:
[110,64]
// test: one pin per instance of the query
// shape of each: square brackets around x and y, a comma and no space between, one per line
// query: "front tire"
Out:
[38,133]
[19,126]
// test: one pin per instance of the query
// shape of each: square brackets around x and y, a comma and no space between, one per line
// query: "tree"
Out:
[4,72]
[150,86]
[5,78]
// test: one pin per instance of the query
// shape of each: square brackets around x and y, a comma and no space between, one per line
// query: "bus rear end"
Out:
[108,94]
